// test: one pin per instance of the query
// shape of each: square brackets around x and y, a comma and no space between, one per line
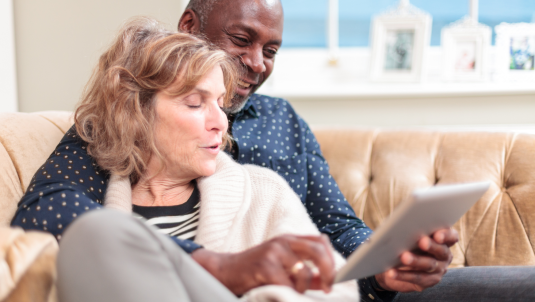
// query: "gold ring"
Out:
[299,265]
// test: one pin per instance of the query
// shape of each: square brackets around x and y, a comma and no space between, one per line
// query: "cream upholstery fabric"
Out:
[27,266]
[377,169]
[27,259]
[26,141]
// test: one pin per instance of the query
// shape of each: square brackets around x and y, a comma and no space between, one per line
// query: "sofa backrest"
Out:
[26,141]
[377,169]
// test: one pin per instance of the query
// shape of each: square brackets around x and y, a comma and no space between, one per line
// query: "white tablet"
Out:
[425,212]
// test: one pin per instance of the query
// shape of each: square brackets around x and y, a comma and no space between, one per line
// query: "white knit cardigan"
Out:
[241,207]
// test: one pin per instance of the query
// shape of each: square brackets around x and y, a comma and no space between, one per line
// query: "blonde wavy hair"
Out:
[116,114]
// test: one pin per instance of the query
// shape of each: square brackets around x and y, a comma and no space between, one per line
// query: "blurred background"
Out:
[48,49]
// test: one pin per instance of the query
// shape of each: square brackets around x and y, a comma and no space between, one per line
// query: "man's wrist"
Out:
[207,259]
[376,286]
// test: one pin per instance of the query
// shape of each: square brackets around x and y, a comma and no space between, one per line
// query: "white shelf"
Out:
[305,73]
[375,90]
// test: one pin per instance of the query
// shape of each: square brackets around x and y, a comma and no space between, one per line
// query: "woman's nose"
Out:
[216,119]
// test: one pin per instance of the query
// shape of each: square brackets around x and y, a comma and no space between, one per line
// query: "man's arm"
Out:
[333,215]
[326,204]
[66,186]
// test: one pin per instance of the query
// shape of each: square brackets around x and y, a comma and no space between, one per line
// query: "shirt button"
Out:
[371,296]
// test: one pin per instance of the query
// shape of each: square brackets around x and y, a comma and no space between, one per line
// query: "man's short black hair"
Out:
[202,8]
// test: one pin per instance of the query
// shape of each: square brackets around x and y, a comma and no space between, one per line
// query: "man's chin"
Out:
[237,104]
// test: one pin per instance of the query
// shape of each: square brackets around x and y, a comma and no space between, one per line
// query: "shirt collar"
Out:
[248,110]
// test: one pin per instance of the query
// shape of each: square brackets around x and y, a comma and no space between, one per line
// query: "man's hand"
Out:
[425,267]
[277,261]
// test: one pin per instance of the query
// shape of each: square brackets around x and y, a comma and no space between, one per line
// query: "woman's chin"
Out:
[207,169]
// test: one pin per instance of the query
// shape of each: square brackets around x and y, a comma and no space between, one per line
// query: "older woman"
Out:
[152,115]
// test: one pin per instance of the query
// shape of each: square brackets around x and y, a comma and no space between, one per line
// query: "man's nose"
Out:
[254,60]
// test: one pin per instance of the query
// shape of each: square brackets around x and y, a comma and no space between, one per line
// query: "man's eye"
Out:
[271,53]
[240,41]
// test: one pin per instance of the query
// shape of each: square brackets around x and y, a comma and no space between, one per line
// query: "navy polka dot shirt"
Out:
[268,133]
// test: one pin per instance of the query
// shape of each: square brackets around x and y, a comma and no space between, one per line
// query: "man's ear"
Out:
[189,22]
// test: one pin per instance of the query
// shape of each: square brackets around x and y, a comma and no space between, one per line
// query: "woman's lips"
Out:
[212,149]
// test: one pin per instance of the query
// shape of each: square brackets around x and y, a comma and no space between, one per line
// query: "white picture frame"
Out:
[466,48]
[400,40]
[515,51]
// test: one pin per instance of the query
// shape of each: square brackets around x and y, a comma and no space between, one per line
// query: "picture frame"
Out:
[515,51]
[466,46]
[400,40]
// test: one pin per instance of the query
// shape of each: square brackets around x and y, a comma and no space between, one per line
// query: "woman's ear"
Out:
[189,22]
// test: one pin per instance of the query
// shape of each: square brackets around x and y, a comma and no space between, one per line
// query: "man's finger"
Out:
[420,280]
[439,251]
[446,236]
[418,263]
[302,276]
[319,254]
[274,275]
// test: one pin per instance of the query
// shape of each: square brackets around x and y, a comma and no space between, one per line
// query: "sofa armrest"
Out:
[27,266]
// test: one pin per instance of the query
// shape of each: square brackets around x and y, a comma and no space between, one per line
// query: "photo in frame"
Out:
[515,51]
[466,49]
[400,39]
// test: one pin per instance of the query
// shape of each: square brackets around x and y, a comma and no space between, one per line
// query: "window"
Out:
[306,20]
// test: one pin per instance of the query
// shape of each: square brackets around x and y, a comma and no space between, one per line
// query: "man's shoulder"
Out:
[275,106]
[69,167]
[271,102]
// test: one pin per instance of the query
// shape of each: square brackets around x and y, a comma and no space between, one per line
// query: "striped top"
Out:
[179,221]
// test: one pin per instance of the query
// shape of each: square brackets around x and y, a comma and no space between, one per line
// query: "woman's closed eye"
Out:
[193,101]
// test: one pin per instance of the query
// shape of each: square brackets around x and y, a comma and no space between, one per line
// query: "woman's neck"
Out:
[161,191]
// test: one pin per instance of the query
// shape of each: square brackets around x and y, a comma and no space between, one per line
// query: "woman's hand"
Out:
[424,268]
[278,261]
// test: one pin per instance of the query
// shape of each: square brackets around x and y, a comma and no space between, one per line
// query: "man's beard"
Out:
[236,104]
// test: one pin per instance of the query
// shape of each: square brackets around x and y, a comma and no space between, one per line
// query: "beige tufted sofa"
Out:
[376,169]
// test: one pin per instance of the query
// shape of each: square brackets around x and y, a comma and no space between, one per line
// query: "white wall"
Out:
[58,43]
[8,77]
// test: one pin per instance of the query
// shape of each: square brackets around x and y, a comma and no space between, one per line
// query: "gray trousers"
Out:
[109,256]
[480,283]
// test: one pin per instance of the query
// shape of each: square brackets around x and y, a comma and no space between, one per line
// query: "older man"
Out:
[268,133]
